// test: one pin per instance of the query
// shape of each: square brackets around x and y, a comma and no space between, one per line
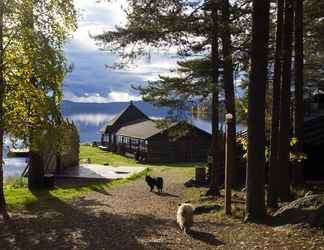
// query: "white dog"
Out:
[185,216]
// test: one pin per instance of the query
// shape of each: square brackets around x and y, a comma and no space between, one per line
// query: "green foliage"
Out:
[241,105]
[35,65]
[191,85]
[295,157]
[244,144]
[187,26]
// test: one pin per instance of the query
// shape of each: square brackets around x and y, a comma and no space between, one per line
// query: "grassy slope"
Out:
[99,156]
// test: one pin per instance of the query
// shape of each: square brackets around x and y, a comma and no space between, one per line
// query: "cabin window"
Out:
[105,138]
[143,145]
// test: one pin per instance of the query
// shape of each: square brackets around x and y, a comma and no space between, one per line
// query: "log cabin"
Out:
[131,132]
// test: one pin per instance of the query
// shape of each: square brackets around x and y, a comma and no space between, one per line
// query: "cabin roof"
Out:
[142,129]
[129,108]
[145,129]
[116,117]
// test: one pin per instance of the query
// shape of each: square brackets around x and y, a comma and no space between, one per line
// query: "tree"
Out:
[33,65]
[176,23]
[274,168]
[3,210]
[255,200]
[230,156]
[299,87]
[313,39]
[188,26]
[228,80]
[215,168]
[285,103]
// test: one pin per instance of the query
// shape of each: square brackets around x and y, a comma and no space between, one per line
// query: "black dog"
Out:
[158,182]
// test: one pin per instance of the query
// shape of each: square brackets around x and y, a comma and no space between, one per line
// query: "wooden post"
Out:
[229,158]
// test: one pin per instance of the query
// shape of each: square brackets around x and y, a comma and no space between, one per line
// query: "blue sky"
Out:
[90,80]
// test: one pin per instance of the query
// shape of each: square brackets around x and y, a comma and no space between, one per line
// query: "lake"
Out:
[89,118]
[89,124]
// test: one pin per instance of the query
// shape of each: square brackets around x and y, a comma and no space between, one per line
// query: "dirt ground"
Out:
[131,217]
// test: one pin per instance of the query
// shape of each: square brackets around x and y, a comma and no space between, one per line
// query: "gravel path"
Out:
[131,217]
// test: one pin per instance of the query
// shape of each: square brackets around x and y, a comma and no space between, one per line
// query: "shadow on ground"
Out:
[205,237]
[65,226]
[166,194]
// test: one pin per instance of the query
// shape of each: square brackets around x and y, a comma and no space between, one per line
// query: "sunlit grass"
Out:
[19,196]
[98,156]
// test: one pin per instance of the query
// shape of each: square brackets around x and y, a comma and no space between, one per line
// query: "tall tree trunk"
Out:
[36,164]
[298,176]
[3,209]
[229,89]
[215,169]
[274,168]
[285,121]
[255,200]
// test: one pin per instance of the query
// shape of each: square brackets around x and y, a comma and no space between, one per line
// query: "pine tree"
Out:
[255,181]
[285,103]
[215,169]
[274,169]
[228,80]
[299,88]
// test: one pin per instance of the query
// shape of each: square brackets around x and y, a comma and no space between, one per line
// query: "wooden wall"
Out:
[192,147]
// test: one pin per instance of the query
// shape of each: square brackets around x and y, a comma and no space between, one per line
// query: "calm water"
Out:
[88,125]
[13,167]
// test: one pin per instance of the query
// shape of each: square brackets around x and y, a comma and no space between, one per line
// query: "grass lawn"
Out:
[99,156]
[19,196]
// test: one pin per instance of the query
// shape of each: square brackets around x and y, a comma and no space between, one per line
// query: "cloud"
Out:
[113,96]
[95,17]
[122,97]
[90,80]
[91,119]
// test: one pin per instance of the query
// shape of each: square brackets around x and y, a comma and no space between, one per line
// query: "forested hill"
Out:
[69,107]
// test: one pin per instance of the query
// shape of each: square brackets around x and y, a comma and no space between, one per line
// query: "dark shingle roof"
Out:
[116,117]
[130,108]
[143,129]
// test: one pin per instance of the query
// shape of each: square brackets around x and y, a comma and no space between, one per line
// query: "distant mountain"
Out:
[69,108]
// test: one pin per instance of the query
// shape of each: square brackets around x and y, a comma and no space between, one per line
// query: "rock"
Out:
[190,183]
[306,210]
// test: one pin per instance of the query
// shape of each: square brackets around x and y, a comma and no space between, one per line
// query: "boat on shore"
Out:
[18,152]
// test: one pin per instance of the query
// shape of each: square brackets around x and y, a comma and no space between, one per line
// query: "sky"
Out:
[91,80]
